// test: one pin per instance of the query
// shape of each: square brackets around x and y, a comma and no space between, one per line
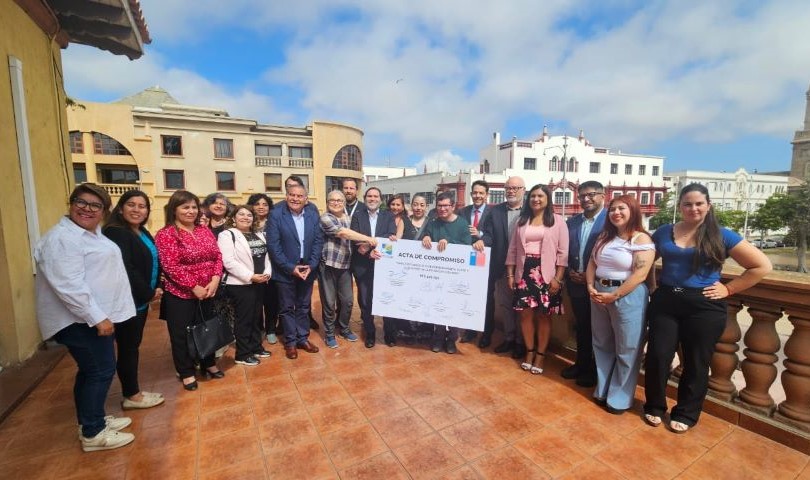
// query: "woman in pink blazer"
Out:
[247,266]
[538,252]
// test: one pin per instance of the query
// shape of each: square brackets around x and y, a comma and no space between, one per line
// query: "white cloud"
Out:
[444,161]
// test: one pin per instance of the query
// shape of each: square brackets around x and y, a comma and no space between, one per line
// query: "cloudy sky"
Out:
[713,85]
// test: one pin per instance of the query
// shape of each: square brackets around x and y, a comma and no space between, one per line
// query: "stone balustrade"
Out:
[116,190]
[284,162]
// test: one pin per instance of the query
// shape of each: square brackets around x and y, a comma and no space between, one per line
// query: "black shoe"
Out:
[250,361]
[468,337]
[217,374]
[504,347]
[586,380]
[369,343]
[437,346]
[484,342]
[262,353]
[570,372]
[190,386]
[450,346]
[391,341]
[519,351]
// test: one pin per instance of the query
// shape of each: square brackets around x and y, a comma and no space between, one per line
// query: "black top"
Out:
[137,261]
[362,264]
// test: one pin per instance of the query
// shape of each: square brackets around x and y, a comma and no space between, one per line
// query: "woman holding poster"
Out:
[539,253]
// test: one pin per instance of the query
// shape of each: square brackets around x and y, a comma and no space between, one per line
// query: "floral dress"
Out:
[532,291]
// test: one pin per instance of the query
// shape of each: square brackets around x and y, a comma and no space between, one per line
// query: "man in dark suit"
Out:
[474,214]
[295,241]
[289,182]
[496,230]
[583,229]
[349,188]
[372,222]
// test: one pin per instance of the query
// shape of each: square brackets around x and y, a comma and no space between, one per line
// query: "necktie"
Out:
[475,218]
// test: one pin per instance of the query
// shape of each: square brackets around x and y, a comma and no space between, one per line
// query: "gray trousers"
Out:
[337,297]
[504,299]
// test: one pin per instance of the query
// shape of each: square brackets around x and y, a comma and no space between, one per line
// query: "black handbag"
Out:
[207,335]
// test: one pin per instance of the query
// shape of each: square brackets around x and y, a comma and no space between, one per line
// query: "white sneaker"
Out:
[106,439]
[149,400]
[113,423]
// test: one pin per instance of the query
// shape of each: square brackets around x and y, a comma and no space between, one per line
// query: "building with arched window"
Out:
[151,141]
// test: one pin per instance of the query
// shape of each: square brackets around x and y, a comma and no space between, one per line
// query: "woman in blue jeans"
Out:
[82,291]
[689,307]
[621,260]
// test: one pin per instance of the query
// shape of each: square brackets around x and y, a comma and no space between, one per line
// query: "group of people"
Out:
[94,284]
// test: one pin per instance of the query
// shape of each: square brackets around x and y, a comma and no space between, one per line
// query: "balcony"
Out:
[284,162]
[116,190]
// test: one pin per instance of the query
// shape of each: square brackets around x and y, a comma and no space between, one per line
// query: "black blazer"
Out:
[362,264]
[466,213]
[409,232]
[494,229]
[137,261]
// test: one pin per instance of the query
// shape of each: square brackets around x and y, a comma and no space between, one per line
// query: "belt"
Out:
[609,283]
[672,289]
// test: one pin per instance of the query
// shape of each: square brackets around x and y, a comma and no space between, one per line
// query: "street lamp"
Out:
[675,198]
[564,149]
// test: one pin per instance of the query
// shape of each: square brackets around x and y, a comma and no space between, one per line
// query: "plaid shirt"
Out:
[337,252]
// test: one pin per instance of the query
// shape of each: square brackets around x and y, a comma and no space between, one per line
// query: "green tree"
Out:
[799,223]
[733,219]
[665,212]
[774,214]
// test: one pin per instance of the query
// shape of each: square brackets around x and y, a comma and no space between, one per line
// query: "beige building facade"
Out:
[151,141]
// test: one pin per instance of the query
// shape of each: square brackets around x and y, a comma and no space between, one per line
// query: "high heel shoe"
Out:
[527,365]
[536,370]
[218,374]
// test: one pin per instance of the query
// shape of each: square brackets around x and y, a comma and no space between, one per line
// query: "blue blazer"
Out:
[574,262]
[284,245]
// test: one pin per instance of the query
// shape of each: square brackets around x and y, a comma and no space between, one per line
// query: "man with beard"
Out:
[372,222]
[497,230]
[583,229]
[349,189]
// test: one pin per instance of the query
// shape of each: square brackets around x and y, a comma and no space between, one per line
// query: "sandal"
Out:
[652,420]
[536,370]
[527,365]
[678,427]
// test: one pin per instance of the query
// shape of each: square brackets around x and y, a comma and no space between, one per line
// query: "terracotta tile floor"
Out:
[381,413]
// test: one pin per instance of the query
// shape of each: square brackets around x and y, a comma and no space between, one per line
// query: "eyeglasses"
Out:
[335,200]
[89,206]
[590,195]
[444,206]
[513,189]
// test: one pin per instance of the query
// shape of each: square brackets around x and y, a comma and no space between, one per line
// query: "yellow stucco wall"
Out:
[45,103]
[328,139]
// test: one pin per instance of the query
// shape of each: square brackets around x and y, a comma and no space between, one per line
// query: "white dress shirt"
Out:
[80,279]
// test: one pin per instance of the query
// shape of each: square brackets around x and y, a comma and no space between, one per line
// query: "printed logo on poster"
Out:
[478,259]
[387,249]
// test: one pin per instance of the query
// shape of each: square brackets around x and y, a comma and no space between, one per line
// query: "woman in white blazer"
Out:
[247,266]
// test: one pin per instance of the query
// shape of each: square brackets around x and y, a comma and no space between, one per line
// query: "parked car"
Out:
[769,243]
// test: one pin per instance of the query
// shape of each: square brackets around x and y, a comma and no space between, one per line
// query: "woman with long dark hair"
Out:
[262,206]
[617,270]
[689,307]
[192,266]
[126,228]
[538,252]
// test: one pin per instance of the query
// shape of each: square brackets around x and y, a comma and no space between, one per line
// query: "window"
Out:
[497,196]
[305,179]
[559,199]
[645,198]
[656,171]
[631,194]
[106,145]
[349,158]
[76,143]
[273,182]
[226,181]
[529,163]
[268,150]
[300,152]
[617,194]
[79,173]
[628,169]
[573,164]
[171,145]
[223,148]
[642,169]
[552,166]
[335,183]
[658,196]
[594,167]
[614,168]
[430,197]
[174,179]
[117,174]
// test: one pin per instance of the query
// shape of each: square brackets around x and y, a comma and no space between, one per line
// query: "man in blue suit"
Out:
[294,241]
[583,229]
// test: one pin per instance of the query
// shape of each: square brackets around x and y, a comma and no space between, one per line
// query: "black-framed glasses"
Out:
[590,195]
[89,206]
[444,206]
[513,189]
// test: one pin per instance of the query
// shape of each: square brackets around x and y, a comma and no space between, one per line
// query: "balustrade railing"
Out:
[301,162]
[114,189]
[268,161]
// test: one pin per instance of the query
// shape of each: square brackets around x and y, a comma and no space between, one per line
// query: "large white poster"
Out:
[446,288]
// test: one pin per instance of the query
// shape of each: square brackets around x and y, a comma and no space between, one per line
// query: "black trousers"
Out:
[489,313]
[128,336]
[695,322]
[272,322]
[365,297]
[247,326]
[582,327]
[180,313]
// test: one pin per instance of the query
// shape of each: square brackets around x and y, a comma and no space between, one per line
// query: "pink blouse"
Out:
[188,259]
